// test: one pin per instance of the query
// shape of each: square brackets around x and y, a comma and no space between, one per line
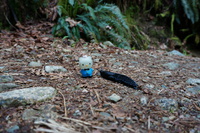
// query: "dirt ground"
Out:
[89,96]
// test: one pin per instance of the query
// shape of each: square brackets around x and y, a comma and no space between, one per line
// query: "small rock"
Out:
[50,69]
[149,86]
[66,50]
[26,96]
[6,78]
[96,60]
[164,119]
[175,52]
[112,59]
[6,86]
[77,113]
[114,97]
[151,55]
[85,91]
[143,100]
[2,67]
[72,42]
[164,87]
[44,112]
[105,114]
[34,64]
[193,81]
[108,43]
[131,66]
[171,65]
[194,90]
[13,129]
[103,46]
[30,114]
[117,64]
[134,62]
[167,104]
[166,73]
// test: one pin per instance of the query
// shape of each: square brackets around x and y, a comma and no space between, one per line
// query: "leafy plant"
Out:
[191,9]
[84,21]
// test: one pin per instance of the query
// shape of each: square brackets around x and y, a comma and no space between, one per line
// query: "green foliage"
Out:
[191,9]
[92,23]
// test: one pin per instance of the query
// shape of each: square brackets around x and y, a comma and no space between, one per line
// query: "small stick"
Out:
[98,99]
[149,122]
[91,109]
[65,108]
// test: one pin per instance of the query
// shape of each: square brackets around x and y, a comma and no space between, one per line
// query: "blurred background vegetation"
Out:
[131,24]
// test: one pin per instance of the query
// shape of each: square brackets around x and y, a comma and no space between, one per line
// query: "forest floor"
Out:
[165,101]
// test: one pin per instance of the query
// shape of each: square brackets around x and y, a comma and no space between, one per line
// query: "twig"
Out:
[196,107]
[151,100]
[9,22]
[91,109]
[160,91]
[54,127]
[76,120]
[98,99]
[149,122]
[65,108]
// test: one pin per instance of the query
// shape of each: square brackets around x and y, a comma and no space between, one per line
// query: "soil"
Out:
[34,42]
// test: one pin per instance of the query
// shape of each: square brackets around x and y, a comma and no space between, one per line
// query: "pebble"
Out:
[143,100]
[171,65]
[149,86]
[13,129]
[34,64]
[134,62]
[175,52]
[166,73]
[105,114]
[112,59]
[108,43]
[50,69]
[6,78]
[103,46]
[66,50]
[77,113]
[114,97]
[117,64]
[96,54]
[167,104]
[193,81]
[44,112]
[2,67]
[194,90]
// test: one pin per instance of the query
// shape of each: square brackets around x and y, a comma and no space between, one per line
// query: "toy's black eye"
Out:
[82,64]
[89,63]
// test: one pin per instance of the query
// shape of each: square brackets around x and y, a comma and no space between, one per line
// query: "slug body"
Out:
[119,78]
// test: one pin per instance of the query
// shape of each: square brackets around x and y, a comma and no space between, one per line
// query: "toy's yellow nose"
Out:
[86,65]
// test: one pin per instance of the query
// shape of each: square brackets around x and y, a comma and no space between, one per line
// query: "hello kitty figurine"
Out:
[85,64]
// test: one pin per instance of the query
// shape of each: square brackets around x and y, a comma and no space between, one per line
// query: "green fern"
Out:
[93,24]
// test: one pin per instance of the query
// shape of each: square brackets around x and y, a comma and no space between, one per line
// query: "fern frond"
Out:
[188,10]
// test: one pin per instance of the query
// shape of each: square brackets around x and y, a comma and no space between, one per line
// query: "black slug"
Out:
[119,78]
